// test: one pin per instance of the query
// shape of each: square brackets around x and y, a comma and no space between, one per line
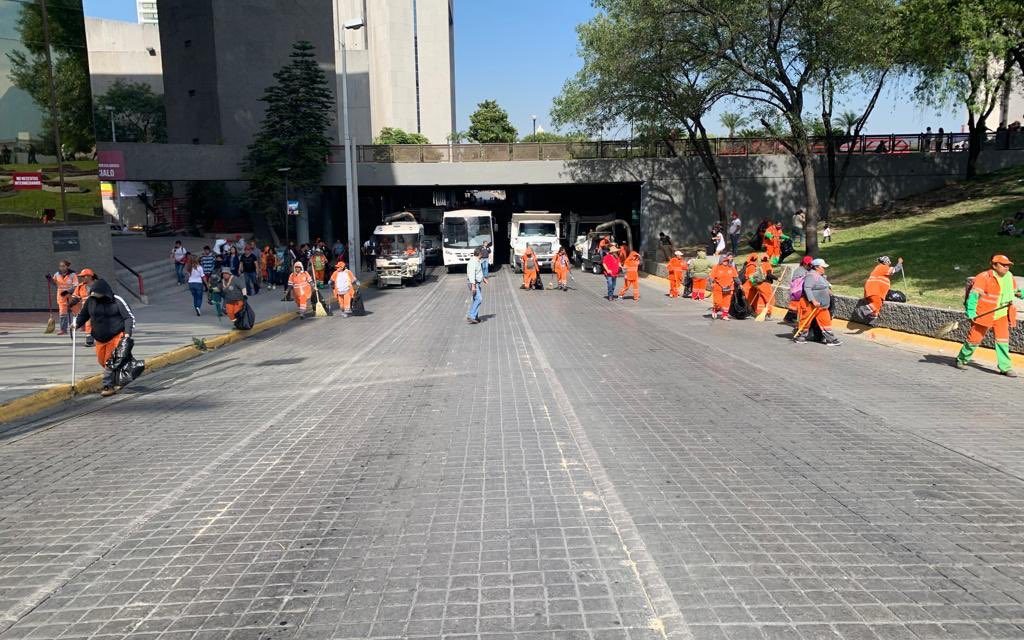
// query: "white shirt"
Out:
[734,226]
[196,275]
[720,240]
[179,254]
[827,232]
[343,283]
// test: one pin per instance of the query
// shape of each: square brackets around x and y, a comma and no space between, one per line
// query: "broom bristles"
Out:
[946,329]
[51,325]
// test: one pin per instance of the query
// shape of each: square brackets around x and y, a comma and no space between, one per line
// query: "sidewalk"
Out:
[32,361]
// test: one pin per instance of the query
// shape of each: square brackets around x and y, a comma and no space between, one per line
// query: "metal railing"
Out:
[893,143]
[143,298]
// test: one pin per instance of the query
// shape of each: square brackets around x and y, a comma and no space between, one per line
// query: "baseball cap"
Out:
[1001,259]
[679,253]
[884,260]
[87,272]
[818,262]
[806,261]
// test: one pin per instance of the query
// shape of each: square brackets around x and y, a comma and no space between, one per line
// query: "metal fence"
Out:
[614,149]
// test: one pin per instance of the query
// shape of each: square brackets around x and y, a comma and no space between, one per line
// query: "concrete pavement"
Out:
[569,468]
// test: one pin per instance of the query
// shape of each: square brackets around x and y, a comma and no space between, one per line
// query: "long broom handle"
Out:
[800,329]
[1005,306]
[74,349]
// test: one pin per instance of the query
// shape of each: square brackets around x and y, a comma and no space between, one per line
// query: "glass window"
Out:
[467,233]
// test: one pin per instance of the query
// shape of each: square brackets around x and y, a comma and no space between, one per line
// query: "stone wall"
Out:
[33,255]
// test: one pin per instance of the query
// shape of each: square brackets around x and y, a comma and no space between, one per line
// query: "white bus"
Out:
[462,231]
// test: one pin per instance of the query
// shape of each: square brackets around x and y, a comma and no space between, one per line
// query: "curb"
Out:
[887,336]
[40,400]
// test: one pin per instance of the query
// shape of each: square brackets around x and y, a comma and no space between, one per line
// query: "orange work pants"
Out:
[301,297]
[720,300]
[631,282]
[1000,327]
[700,288]
[529,278]
[231,309]
[106,349]
[344,300]
[876,304]
[674,281]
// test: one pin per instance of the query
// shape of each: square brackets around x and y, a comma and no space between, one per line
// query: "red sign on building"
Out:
[111,165]
[27,181]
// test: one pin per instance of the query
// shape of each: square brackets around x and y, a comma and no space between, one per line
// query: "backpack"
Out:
[246,318]
[796,288]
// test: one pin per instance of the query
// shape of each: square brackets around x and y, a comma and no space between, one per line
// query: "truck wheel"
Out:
[595,268]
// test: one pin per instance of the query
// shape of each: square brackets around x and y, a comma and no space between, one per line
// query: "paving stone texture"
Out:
[569,468]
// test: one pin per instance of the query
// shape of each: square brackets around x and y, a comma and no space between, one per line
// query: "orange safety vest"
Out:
[676,267]
[301,281]
[987,284]
[66,282]
[878,283]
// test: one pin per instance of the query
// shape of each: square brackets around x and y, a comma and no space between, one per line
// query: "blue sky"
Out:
[520,54]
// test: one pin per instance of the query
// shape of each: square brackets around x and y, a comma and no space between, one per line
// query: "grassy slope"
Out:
[944,236]
[28,204]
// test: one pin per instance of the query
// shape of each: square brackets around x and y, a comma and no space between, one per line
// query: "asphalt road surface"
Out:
[569,468]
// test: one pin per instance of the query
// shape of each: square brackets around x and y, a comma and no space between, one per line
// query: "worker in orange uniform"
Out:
[111,320]
[724,280]
[758,288]
[676,271]
[773,238]
[65,281]
[85,279]
[344,283]
[560,265]
[603,244]
[530,268]
[749,268]
[878,285]
[990,306]
[623,254]
[632,280]
[300,283]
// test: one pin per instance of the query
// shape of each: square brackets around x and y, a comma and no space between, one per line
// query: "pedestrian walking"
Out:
[665,247]
[796,290]
[485,258]
[196,283]
[718,239]
[632,279]
[249,264]
[110,321]
[475,280]
[989,307]
[735,230]
[208,262]
[345,284]
[178,254]
[611,266]
[530,268]
[773,238]
[826,233]
[300,284]
[799,220]
[65,280]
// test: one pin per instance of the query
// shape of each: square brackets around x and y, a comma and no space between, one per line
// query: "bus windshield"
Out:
[467,233]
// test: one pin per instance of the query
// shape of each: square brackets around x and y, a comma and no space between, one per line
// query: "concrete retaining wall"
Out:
[32,255]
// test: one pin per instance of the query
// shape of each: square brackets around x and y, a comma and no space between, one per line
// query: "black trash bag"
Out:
[122,353]
[895,296]
[862,313]
[738,306]
[756,242]
[246,318]
[538,283]
[785,249]
[688,287]
[131,369]
[358,308]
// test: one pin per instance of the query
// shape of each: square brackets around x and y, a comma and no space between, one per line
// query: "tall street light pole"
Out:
[287,240]
[351,198]
[113,129]
[534,125]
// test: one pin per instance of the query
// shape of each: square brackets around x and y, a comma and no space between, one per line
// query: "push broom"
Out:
[51,324]
[952,325]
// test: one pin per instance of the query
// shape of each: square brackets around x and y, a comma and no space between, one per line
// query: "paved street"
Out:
[569,468]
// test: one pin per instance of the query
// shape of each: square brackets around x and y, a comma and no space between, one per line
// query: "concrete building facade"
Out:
[146,10]
[123,51]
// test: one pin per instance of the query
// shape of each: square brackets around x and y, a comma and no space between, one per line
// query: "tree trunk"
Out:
[803,157]
[975,141]
[723,216]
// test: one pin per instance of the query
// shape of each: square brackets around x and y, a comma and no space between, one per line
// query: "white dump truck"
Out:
[400,258]
[540,230]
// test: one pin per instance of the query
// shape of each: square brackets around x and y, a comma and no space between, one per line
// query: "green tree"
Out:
[548,136]
[456,137]
[293,133]
[70,71]
[490,123]
[394,135]
[846,121]
[733,122]
[138,113]
[964,53]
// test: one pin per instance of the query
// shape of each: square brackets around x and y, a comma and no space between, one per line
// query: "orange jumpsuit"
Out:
[759,295]
[344,299]
[676,269]
[81,292]
[632,280]
[723,279]
[302,287]
[749,269]
[65,284]
[529,269]
[877,287]
[773,242]
[561,268]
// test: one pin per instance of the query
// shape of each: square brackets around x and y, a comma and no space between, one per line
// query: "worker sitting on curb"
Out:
[698,273]
[676,269]
[878,285]
[724,280]
[989,305]
[632,279]
[530,268]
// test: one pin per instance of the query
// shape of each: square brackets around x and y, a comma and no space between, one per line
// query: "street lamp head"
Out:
[355,23]
[285,169]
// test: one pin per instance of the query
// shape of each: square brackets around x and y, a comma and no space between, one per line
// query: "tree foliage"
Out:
[490,123]
[70,71]
[733,122]
[394,135]
[293,134]
[548,136]
[139,114]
